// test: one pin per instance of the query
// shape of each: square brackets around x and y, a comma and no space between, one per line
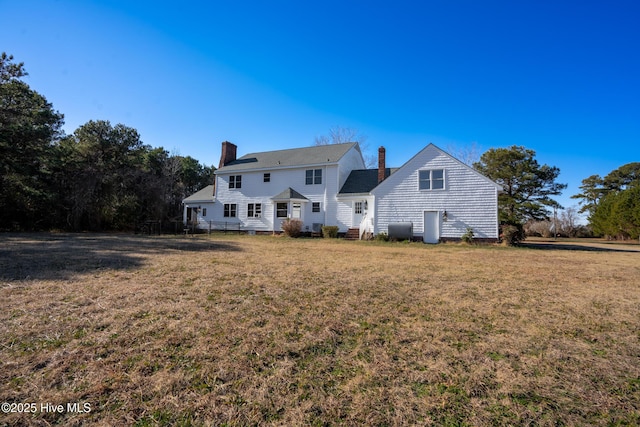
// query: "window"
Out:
[254,210]
[431,179]
[281,210]
[267,177]
[315,207]
[235,181]
[204,211]
[313,176]
[357,208]
[230,210]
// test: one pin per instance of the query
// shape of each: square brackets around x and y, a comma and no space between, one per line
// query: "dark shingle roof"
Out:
[363,180]
[321,154]
[289,194]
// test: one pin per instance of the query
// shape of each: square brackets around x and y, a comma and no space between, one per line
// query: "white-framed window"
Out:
[357,208]
[235,181]
[204,211]
[254,210]
[315,207]
[230,210]
[267,177]
[432,179]
[313,176]
[282,210]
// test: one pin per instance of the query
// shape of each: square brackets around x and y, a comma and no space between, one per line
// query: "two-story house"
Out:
[439,196]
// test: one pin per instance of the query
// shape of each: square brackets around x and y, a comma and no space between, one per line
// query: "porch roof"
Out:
[289,194]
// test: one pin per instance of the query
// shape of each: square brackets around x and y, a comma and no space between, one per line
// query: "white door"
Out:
[431,227]
[358,209]
[296,210]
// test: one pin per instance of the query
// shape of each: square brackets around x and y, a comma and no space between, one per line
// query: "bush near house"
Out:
[382,237]
[292,227]
[467,237]
[330,231]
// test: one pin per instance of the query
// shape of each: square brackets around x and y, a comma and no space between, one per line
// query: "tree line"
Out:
[102,177]
[612,203]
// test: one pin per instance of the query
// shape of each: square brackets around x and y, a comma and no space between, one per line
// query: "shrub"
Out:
[512,234]
[292,227]
[330,231]
[382,237]
[467,237]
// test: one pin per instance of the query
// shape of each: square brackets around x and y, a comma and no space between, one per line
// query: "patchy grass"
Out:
[257,330]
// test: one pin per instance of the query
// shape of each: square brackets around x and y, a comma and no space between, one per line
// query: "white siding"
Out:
[469,198]
[255,190]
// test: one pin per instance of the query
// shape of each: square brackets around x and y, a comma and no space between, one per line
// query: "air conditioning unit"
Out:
[316,227]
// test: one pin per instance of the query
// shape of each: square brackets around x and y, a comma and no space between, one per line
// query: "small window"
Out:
[357,208]
[431,179]
[254,210]
[281,210]
[204,211]
[267,177]
[313,176]
[235,181]
[230,210]
[315,207]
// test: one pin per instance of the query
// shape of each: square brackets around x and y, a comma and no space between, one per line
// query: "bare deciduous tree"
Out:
[467,154]
[342,135]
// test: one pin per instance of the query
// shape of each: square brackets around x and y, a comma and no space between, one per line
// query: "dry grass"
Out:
[251,330]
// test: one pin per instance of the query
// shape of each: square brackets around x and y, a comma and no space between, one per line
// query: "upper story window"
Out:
[431,179]
[313,176]
[235,181]
[267,177]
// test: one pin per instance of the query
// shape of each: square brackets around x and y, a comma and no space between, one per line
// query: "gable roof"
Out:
[289,194]
[204,195]
[433,146]
[316,155]
[363,180]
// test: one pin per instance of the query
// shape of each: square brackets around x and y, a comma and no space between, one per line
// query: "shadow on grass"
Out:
[565,246]
[45,256]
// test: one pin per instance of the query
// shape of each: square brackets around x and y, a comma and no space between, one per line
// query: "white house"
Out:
[433,195]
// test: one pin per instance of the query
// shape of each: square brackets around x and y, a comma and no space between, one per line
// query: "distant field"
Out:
[260,330]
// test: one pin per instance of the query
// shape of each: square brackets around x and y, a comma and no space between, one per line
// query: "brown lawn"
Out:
[259,330]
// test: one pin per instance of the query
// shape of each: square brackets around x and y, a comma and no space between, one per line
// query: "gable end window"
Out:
[230,210]
[431,179]
[313,176]
[235,181]
[254,210]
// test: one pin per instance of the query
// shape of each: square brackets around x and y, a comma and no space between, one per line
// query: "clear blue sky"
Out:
[559,77]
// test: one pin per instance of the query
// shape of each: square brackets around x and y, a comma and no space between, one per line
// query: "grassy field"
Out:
[260,330]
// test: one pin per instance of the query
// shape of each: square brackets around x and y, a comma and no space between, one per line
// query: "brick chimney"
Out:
[381,164]
[228,153]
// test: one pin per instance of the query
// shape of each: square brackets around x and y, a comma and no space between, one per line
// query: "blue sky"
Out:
[559,77]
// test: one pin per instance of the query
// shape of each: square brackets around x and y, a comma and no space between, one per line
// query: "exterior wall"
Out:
[205,213]
[345,212]
[469,199]
[350,161]
[255,190]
